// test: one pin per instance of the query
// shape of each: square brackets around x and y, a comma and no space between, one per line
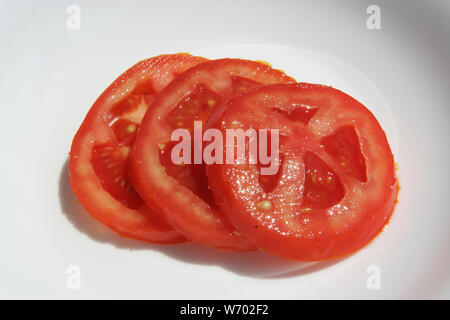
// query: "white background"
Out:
[51,75]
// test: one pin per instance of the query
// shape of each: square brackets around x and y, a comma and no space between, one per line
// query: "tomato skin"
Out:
[143,223]
[199,221]
[320,234]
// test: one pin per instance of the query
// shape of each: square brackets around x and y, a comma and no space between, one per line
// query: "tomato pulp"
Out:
[336,186]
[98,166]
[181,192]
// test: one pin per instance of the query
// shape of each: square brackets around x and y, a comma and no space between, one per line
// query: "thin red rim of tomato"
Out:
[181,192]
[336,186]
[99,154]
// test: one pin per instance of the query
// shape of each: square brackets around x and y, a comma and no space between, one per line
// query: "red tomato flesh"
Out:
[336,186]
[99,168]
[181,191]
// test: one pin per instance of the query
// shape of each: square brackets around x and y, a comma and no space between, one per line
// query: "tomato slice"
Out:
[99,170]
[181,191]
[335,188]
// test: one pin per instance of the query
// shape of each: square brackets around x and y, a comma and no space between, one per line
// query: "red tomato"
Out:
[336,186]
[181,191]
[99,154]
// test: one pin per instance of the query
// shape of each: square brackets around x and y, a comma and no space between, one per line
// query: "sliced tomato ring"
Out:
[100,150]
[181,191]
[336,186]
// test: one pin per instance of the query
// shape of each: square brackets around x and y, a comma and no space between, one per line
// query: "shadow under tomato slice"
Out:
[335,188]
[182,192]
[99,156]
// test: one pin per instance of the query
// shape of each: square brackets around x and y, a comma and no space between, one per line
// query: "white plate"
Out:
[51,76]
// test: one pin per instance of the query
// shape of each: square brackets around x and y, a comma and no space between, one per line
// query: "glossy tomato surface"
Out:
[181,192]
[336,186]
[99,154]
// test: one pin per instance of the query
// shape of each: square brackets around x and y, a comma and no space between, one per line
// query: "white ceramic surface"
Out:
[51,75]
